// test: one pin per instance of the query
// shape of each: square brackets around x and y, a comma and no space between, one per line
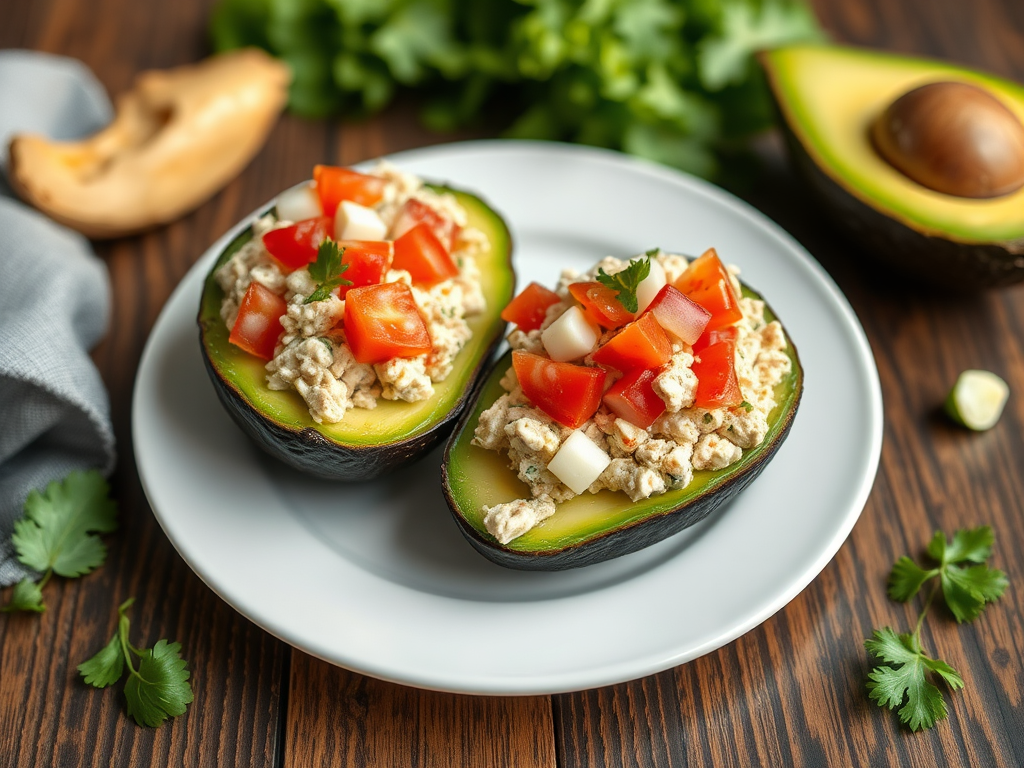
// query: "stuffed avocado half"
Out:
[592,527]
[365,443]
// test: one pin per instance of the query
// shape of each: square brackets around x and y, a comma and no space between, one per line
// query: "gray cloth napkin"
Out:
[54,303]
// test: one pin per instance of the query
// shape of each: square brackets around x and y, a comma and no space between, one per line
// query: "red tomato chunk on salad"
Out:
[528,308]
[383,321]
[336,184]
[570,394]
[259,321]
[294,247]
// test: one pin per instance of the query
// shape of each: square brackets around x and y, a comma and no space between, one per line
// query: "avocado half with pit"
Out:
[591,528]
[366,443]
[830,99]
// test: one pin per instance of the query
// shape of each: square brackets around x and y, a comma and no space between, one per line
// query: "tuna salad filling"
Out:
[629,378]
[357,289]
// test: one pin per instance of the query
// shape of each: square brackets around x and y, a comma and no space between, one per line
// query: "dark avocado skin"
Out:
[310,451]
[624,539]
[940,262]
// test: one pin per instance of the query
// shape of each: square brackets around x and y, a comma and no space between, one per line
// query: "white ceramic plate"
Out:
[377,578]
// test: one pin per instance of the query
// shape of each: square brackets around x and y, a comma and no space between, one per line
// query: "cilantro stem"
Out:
[920,618]
[46,577]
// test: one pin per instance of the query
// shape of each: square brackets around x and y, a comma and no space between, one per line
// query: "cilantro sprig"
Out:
[327,271]
[58,534]
[966,585]
[626,281]
[157,689]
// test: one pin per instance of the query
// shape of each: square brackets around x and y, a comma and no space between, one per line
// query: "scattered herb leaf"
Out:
[327,271]
[903,681]
[27,596]
[626,281]
[158,689]
[58,533]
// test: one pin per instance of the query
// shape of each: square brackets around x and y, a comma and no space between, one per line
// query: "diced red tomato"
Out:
[570,394]
[715,369]
[641,344]
[528,308]
[294,247]
[258,326]
[422,255]
[633,398]
[335,184]
[600,303]
[415,212]
[368,261]
[680,316]
[706,281]
[383,321]
[729,333]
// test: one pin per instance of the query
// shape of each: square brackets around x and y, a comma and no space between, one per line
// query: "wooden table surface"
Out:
[790,692]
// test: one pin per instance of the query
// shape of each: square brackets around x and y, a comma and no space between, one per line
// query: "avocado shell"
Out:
[594,527]
[366,443]
[828,98]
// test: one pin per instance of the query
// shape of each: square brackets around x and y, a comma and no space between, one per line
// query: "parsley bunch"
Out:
[967,585]
[327,270]
[669,80]
[57,534]
[158,689]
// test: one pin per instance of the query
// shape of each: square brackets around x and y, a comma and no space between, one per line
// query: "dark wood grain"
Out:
[336,717]
[791,692]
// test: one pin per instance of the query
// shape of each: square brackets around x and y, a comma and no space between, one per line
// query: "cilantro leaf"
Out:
[906,685]
[327,271]
[106,667]
[27,596]
[160,688]
[747,28]
[902,682]
[626,281]
[968,545]
[58,530]
[906,579]
[967,590]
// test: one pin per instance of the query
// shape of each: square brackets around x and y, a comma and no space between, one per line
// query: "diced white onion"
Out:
[579,462]
[649,286]
[298,204]
[356,222]
[570,337]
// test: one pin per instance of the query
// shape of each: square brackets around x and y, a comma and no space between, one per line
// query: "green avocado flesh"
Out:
[478,477]
[390,421]
[829,96]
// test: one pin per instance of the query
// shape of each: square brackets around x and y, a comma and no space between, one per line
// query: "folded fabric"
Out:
[54,303]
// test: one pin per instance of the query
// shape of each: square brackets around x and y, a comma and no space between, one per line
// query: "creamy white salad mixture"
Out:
[641,462]
[312,356]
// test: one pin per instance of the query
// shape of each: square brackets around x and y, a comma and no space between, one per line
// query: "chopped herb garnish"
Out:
[626,281]
[327,271]
[746,406]
[707,418]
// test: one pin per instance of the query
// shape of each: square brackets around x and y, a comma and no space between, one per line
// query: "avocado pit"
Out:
[954,138]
